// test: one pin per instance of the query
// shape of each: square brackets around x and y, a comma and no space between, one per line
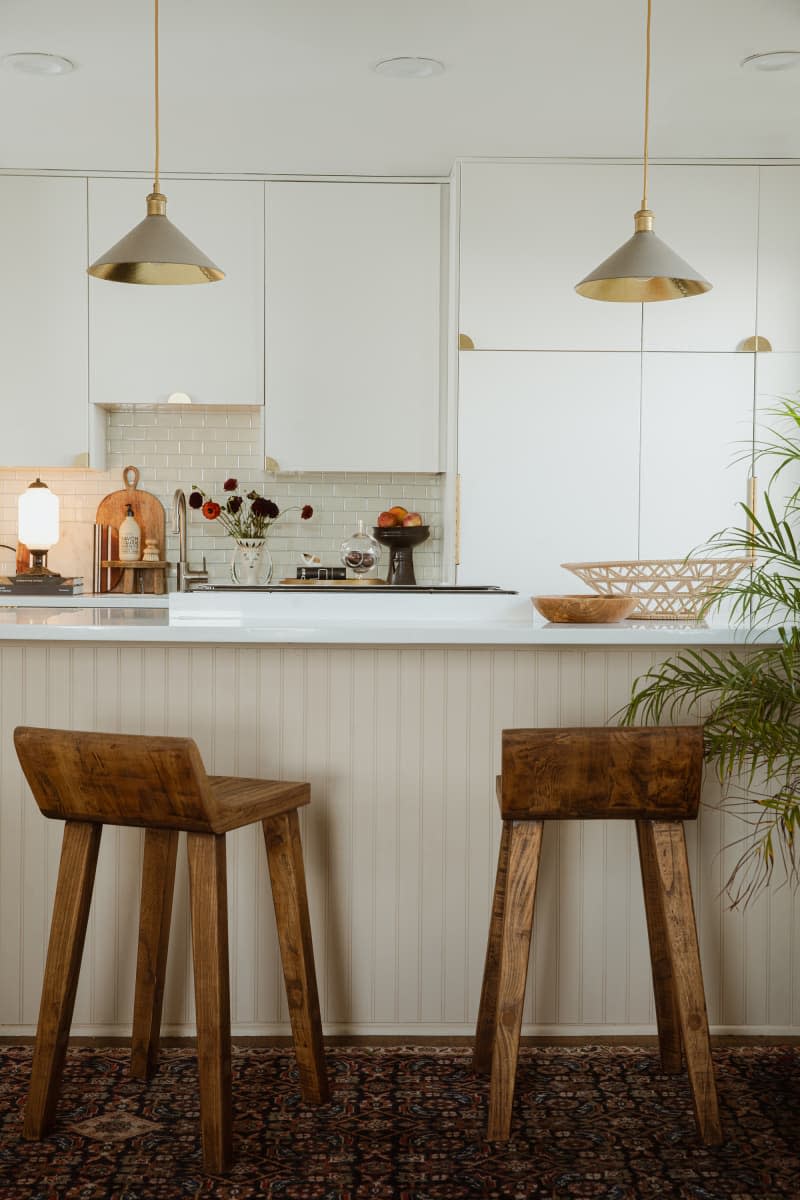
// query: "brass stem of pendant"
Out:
[643,220]
[645,154]
[156,179]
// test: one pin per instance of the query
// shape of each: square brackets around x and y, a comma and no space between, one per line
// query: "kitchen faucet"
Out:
[186,576]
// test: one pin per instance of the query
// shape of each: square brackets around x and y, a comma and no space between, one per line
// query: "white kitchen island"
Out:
[395,720]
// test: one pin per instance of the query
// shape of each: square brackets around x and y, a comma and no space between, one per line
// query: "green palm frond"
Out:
[749,701]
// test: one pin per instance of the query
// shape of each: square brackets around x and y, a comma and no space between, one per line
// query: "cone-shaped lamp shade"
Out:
[155,252]
[643,269]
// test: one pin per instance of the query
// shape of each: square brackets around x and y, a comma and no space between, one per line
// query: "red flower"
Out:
[195,500]
[211,510]
[307,511]
[262,507]
[230,485]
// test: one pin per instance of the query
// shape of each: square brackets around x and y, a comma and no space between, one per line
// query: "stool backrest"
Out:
[117,778]
[642,772]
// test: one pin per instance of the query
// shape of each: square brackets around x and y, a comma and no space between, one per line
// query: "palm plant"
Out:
[749,700]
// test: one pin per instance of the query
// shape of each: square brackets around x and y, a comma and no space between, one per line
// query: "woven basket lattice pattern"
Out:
[666,588]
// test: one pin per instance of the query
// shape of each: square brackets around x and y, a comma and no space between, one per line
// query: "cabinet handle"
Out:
[458,521]
[465,342]
[753,344]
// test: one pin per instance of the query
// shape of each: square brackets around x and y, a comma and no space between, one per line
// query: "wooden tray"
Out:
[148,511]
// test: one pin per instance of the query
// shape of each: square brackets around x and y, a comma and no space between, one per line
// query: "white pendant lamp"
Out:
[644,269]
[155,251]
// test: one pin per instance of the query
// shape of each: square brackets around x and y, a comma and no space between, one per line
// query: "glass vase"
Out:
[252,562]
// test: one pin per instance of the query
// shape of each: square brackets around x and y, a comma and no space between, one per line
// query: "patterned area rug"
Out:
[408,1124]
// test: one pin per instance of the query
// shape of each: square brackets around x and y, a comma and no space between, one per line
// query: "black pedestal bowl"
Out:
[401,540]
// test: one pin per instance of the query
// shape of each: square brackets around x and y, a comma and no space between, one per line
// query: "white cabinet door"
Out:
[43,323]
[528,233]
[548,458]
[779,258]
[697,425]
[352,326]
[205,340]
[709,216]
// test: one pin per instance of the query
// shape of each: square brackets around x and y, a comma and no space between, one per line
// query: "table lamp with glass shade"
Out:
[38,528]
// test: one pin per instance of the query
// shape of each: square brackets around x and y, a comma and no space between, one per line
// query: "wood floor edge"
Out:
[645,1041]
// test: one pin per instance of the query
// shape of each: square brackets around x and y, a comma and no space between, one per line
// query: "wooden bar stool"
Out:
[653,776]
[159,783]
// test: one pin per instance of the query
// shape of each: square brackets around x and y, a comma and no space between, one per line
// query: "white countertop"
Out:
[207,618]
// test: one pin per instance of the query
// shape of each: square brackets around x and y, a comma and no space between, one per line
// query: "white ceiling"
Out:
[286,86]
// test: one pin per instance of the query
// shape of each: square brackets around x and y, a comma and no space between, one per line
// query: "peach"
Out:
[400,512]
[412,518]
[387,520]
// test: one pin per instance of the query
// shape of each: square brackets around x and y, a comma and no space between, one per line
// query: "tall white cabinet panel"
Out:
[528,233]
[43,322]
[205,340]
[779,258]
[352,326]
[697,416]
[548,458]
[709,216]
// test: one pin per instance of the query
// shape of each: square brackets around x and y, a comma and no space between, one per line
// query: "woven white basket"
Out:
[666,588]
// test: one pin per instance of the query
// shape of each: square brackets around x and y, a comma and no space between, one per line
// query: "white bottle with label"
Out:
[130,539]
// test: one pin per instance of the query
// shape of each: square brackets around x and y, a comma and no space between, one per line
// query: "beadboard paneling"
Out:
[401,747]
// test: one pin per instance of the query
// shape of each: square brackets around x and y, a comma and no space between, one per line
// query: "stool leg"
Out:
[487,1012]
[209,905]
[155,913]
[67,934]
[667,1016]
[525,844]
[679,923]
[285,860]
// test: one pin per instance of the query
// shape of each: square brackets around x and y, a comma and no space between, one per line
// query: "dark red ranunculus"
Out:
[230,485]
[211,510]
[265,508]
[306,512]
[234,504]
[195,500]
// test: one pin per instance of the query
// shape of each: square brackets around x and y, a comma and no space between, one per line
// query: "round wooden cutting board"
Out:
[148,511]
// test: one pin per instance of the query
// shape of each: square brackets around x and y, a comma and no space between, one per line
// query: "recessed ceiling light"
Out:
[34,62]
[409,67]
[772,60]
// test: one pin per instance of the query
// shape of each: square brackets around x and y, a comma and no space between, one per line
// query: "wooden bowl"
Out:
[587,609]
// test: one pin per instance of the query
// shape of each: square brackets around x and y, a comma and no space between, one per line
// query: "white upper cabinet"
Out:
[205,340]
[709,216]
[548,458]
[43,323]
[779,258]
[697,424]
[353,357]
[528,233]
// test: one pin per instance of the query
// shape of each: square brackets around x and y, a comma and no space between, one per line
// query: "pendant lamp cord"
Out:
[646,103]
[156,180]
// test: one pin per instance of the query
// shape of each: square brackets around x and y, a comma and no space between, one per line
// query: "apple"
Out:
[412,518]
[400,512]
[387,520]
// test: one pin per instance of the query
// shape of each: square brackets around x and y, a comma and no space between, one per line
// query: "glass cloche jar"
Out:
[360,553]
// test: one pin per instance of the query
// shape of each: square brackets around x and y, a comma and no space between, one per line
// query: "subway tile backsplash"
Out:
[204,447]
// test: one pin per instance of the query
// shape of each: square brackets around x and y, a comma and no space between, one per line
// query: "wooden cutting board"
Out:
[148,511]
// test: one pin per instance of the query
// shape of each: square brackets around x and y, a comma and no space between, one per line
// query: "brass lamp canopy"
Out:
[642,270]
[155,251]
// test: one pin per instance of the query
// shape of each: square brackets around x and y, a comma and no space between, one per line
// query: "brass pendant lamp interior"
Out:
[644,269]
[155,251]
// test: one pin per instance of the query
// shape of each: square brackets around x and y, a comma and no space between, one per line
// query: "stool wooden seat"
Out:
[652,775]
[159,783]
